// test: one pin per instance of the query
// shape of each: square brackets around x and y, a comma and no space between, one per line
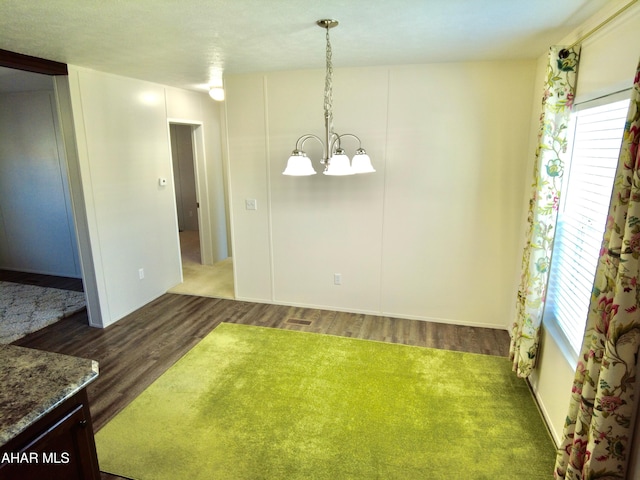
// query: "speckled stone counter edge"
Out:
[34,382]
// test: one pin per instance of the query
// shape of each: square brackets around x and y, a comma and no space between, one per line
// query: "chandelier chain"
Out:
[328,87]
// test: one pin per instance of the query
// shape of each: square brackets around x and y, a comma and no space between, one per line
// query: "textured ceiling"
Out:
[186,43]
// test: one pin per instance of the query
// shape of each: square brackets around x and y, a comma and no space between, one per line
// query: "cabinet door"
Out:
[65,451]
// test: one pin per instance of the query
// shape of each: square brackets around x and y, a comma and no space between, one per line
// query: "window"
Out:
[594,143]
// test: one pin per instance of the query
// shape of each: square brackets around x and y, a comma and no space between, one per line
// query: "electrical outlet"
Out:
[337,279]
[141,273]
[251,204]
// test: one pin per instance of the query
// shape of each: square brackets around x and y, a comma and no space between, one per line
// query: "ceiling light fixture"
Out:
[217,93]
[334,158]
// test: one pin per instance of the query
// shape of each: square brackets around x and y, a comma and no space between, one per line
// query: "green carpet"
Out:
[260,403]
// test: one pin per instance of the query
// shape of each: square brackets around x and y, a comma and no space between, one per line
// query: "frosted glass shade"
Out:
[339,165]
[299,165]
[361,163]
[217,93]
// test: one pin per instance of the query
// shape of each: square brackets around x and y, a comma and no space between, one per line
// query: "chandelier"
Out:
[334,158]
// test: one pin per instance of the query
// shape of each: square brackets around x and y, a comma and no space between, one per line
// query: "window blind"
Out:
[597,136]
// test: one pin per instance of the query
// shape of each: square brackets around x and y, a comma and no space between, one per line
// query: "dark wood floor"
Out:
[136,350]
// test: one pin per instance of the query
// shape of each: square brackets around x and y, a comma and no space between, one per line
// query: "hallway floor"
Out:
[203,280]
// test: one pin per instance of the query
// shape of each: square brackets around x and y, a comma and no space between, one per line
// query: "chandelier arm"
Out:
[339,137]
[301,141]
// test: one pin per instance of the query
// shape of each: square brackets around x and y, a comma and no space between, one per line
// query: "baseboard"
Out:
[376,313]
[557,440]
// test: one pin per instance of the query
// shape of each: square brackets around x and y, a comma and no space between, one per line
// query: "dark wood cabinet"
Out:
[60,445]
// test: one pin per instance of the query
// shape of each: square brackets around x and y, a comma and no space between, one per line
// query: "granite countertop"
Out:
[33,382]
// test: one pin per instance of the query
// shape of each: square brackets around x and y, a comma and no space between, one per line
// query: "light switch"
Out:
[251,204]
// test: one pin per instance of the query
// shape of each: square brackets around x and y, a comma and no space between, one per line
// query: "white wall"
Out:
[458,137]
[36,223]
[437,222]
[608,63]
[122,136]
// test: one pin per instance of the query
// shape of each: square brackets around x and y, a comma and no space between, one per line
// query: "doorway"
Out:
[184,180]
[40,268]
[202,275]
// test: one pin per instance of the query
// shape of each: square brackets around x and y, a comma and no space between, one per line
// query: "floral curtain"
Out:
[543,206]
[599,427]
